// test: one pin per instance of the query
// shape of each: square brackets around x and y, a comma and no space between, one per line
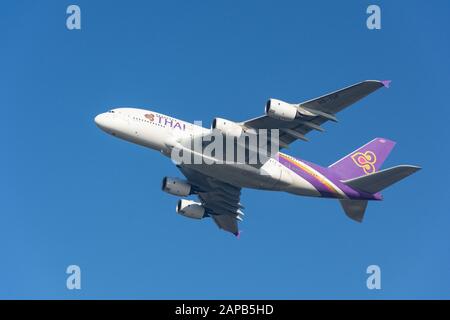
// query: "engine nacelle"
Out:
[280,110]
[176,186]
[228,128]
[190,209]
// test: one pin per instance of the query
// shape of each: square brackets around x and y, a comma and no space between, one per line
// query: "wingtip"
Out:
[386,83]
[238,234]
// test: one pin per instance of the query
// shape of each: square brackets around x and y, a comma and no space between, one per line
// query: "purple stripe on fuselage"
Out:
[331,176]
[324,192]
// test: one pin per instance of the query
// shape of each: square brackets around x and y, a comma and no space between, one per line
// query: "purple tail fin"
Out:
[365,160]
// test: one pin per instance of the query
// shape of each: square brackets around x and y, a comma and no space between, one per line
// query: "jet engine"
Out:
[176,186]
[228,128]
[190,209]
[280,110]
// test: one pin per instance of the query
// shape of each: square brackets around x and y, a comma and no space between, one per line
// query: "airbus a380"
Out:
[353,180]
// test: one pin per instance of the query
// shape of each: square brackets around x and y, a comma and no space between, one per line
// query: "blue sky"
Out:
[71,194]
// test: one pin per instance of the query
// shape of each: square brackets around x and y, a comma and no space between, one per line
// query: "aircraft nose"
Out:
[100,120]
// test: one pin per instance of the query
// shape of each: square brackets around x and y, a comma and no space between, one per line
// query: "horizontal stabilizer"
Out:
[354,209]
[380,180]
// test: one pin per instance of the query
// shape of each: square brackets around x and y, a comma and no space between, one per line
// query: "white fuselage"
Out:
[160,132]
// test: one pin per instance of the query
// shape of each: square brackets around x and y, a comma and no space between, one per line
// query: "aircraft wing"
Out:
[220,199]
[315,112]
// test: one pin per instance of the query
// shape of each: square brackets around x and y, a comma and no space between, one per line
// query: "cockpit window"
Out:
[111,111]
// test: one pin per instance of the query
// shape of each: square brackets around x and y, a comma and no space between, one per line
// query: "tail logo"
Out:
[365,160]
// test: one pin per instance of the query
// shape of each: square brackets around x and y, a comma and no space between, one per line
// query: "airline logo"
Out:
[165,121]
[365,160]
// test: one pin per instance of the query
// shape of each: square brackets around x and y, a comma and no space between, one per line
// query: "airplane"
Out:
[354,179]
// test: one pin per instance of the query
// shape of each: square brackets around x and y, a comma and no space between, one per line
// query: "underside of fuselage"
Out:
[280,172]
[273,175]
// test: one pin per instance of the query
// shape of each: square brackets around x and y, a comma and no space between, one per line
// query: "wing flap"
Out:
[220,199]
[227,223]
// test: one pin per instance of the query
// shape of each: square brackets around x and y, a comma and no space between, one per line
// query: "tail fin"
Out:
[380,180]
[365,160]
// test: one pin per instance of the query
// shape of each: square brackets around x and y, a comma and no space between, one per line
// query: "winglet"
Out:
[386,83]
[238,234]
